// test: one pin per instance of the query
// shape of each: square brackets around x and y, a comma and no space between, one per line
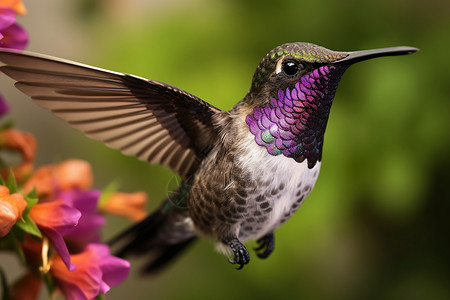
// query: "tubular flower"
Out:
[12,35]
[23,142]
[55,219]
[65,176]
[42,181]
[73,174]
[131,205]
[97,271]
[11,209]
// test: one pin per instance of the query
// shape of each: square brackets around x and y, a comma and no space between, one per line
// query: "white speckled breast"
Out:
[282,185]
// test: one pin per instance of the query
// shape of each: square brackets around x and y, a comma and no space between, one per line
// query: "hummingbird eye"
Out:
[290,68]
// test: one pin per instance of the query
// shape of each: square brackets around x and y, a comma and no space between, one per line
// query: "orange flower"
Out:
[73,173]
[23,142]
[11,209]
[41,180]
[67,175]
[15,5]
[131,205]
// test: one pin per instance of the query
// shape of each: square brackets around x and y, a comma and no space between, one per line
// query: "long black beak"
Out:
[357,56]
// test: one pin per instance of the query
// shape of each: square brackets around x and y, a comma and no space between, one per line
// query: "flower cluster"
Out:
[51,217]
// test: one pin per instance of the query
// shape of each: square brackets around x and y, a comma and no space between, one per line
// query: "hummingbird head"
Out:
[291,96]
[286,64]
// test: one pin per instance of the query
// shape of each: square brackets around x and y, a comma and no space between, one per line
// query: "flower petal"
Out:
[97,271]
[7,18]
[60,246]
[73,173]
[42,181]
[55,219]
[14,37]
[114,269]
[11,209]
[65,176]
[88,229]
[55,215]
[82,283]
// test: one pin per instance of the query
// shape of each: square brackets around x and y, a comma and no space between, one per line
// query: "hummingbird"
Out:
[244,172]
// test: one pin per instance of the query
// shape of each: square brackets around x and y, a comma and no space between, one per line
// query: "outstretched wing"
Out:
[152,120]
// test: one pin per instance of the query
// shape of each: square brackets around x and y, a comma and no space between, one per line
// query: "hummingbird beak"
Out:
[357,56]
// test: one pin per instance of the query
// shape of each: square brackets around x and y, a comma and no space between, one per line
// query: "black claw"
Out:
[241,255]
[266,245]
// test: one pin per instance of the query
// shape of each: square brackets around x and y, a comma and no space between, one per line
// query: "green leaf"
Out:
[11,182]
[30,203]
[27,225]
[5,288]
[32,194]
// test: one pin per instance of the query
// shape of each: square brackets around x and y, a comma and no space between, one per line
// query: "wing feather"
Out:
[151,120]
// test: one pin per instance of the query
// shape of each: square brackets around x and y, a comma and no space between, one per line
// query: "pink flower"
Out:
[88,229]
[12,35]
[97,271]
[55,219]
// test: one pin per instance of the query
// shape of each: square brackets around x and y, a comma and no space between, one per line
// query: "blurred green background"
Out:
[376,225]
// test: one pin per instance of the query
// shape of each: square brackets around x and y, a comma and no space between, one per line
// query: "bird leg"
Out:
[241,255]
[266,245]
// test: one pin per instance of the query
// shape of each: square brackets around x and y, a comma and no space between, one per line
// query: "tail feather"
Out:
[160,236]
[166,255]
[133,232]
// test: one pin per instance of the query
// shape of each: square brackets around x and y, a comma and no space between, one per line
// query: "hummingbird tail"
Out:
[161,236]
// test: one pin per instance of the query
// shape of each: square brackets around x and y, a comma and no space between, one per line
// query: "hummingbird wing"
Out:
[151,120]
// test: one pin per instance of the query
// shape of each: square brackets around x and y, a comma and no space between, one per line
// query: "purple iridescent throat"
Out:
[294,123]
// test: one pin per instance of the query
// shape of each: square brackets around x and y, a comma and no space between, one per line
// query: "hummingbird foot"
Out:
[266,245]
[241,255]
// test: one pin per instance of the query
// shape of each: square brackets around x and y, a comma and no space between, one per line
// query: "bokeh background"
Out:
[376,225]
